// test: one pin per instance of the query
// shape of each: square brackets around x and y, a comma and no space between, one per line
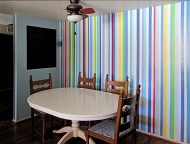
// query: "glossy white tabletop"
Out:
[75,103]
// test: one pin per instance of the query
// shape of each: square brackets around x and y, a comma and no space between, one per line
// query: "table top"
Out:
[75,103]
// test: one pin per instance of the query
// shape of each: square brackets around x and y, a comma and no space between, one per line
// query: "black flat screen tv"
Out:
[41,47]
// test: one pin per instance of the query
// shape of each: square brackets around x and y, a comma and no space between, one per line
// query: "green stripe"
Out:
[94,46]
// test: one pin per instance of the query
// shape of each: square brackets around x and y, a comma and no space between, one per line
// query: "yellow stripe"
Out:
[122,46]
[165,70]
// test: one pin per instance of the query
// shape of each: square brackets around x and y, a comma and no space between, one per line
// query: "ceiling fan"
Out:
[77,12]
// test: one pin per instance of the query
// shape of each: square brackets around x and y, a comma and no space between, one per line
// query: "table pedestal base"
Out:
[71,132]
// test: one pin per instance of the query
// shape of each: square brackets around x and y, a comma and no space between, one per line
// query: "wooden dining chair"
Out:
[113,131]
[89,83]
[37,86]
[138,91]
[116,86]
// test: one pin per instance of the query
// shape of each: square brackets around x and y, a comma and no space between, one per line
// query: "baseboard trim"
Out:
[159,137]
[21,119]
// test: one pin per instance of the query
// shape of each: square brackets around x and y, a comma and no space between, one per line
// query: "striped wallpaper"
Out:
[152,47]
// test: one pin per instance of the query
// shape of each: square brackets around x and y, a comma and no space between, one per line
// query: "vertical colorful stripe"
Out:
[172,69]
[182,72]
[152,47]
[188,68]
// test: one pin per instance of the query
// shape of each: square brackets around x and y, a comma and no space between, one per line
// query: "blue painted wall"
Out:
[21,74]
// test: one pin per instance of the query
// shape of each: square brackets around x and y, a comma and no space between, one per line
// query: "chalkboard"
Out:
[41,47]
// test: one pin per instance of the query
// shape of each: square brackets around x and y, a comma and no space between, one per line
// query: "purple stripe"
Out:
[98,77]
[113,47]
[162,82]
[149,70]
[182,71]
[188,71]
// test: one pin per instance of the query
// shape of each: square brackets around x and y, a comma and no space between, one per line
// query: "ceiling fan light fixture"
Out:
[74,18]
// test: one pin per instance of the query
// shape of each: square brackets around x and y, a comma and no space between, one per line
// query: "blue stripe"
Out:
[126,43]
[182,71]
[80,47]
[113,74]
[162,83]
[149,70]
[115,40]
[62,53]
[143,63]
[98,82]
[90,64]
[84,48]
[188,71]
[138,54]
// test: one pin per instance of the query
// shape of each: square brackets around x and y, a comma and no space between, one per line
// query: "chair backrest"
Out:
[40,85]
[89,83]
[116,85]
[126,113]
[138,91]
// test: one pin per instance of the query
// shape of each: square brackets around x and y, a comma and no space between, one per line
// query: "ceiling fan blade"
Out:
[87,11]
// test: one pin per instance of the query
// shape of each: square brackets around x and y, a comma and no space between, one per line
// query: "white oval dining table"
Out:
[75,104]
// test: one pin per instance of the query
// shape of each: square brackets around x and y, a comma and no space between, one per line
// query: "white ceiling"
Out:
[54,9]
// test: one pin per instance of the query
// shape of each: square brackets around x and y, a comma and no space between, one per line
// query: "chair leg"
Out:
[87,137]
[134,136]
[134,129]
[51,121]
[89,124]
[65,122]
[32,120]
[43,128]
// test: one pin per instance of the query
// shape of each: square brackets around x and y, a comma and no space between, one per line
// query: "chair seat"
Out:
[107,128]
[114,131]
